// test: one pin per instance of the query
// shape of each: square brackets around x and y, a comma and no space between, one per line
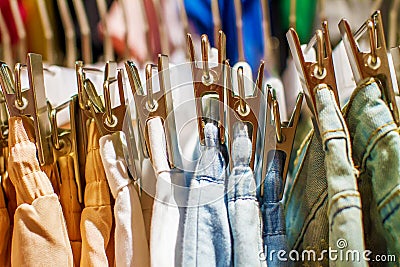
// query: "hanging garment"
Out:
[148,183]
[207,238]
[243,209]
[11,205]
[5,232]
[131,245]
[96,219]
[40,234]
[376,152]
[165,225]
[70,204]
[344,202]
[274,233]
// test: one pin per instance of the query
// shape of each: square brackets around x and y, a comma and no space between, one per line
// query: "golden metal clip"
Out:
[374,63]
[279,136]
[244,109]
[208,81]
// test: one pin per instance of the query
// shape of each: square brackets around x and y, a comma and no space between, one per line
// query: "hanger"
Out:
[183,16]
[244,109]
[162,29]
[7,54]
[86,38]
[208,81]
[107,44]
[373,64]
[217,24]
[150,105]
[314,74]
[21,32]
[268,54]
[48,31]
[108,119]
[69,29]
[65,141]
[283,134]
[239,29]
[292,14]
[393,15]
[30,102]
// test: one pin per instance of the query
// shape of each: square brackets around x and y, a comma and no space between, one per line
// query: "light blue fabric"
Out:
[207,237]
[376,152]
[243,208]
[272,211]
[344,202]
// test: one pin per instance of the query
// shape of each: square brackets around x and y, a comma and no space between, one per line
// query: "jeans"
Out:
[344,202]
[272,211]
[243,208]
[207,237]
[376,152]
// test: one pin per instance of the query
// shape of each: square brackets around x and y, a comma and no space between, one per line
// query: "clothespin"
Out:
[314,74]
[208,81]
[279,136]
[244,109]
[150,105]
[108,119]
[65,141]
[30,102]
[373,64]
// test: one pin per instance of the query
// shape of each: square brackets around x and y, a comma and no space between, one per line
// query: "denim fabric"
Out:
[272,211]
[344,202]
[376,152]
[243,208]
[207,238]
[306,205]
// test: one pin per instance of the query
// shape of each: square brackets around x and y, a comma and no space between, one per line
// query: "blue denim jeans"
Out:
[274,233]
[207,237]
[376,152]
[344,201]
[243,208]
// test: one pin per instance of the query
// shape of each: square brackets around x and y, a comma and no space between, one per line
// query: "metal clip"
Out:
[279,136]
[370,64]
[31,102]
[65,140]
[151,105]
[242,109]
[208,81]
[108,119]
[313,74]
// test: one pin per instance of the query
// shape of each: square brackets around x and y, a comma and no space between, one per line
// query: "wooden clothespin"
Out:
[314,74]
[31,102]
[244,109]
[373,64]
[208,81]
[65,141]
[152,104]
[279,136]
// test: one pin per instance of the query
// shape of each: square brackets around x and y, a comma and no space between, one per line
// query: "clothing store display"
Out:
[131,246]
[376,140]
[96,218]
[243,208]
[207,237]
[40,234]
[127,139]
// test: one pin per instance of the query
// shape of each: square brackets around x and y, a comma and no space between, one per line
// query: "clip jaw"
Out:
[313,74]
[208,81]
[151,105]
[244,109]
[279,136]
[31,102]
[374,64]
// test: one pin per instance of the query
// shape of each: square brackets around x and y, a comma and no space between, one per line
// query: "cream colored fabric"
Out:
[96,219]
[5,232]
[71,207]
[40,235]
[131,246]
